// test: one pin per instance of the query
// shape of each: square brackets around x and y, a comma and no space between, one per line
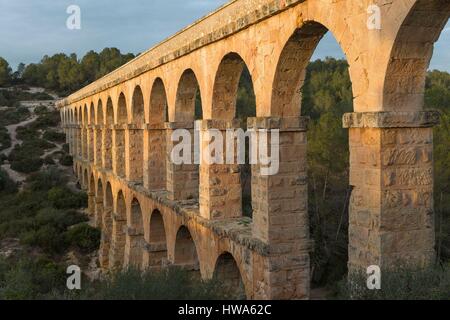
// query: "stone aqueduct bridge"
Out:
[154,213]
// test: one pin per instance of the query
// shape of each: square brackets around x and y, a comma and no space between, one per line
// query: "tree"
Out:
[5,72]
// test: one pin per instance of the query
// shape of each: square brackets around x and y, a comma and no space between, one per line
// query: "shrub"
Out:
[48,160]
[54,136]
[432,283]
[63,198]
[7,185]
[26,165]
[47,237]
[83,237]
[171,284]
[45,180]
[66,160]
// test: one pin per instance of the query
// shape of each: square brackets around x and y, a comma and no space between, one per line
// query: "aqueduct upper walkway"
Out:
[154,213]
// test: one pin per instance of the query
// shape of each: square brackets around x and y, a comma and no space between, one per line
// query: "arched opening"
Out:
[107,136]
[90,130]
[155,167]
[186,104]
[322,91]
[226,272]
[157,249]
[186,256]
[410,57]
[119,137]
[84,133]
[135,138]
[117,252]
[136,235]
[158,103]
[234,98]
[187,93]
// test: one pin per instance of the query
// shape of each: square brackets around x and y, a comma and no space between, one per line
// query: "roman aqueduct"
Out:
[155,214]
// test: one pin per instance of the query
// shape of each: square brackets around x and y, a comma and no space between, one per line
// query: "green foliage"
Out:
[63,198]
[5,139]
[7,185]
[66,160]
[84,237]
[5,72]
[401,284]
[173,284]
[54,136]
[65,74]
[13,115]
[30,278]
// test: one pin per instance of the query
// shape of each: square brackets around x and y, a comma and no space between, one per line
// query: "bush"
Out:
[48,160]
[26,165]
[7,185]
[83,237]
[45,180]
[48,238]
[66,160]
[63,198]
[401,284]
[171,284]
[54,136]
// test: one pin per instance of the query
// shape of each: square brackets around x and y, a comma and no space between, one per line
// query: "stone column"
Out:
[119,151]
[107,147]
[84,143]
[182,180]
[280,211]
[105,245]
[154,157]
[134,153]
[91,203]
[91,143]
[98,211]
[117,249]
[98,146]
[391,207]
[79,138]
[220,184]
[154,255]
[134,247]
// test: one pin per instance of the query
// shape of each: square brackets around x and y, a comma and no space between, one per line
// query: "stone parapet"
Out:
[420,119]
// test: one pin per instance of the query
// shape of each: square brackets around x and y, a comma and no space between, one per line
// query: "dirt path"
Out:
[12,130]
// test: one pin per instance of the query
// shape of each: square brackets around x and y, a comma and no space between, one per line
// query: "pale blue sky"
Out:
[31,28]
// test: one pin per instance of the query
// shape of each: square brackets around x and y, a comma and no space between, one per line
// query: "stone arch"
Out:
[291,69]
[91,120]
[85,115]
[157,244]
[158,103]
[226,84]
[117,251]
[187,93]
[99,119]
[135,237]
[233,75]
[122,112]
[185,255]
[109,114]
[227,273]
[137,107]
[410,57]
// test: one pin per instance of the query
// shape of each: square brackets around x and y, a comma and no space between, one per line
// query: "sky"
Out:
[30,29]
